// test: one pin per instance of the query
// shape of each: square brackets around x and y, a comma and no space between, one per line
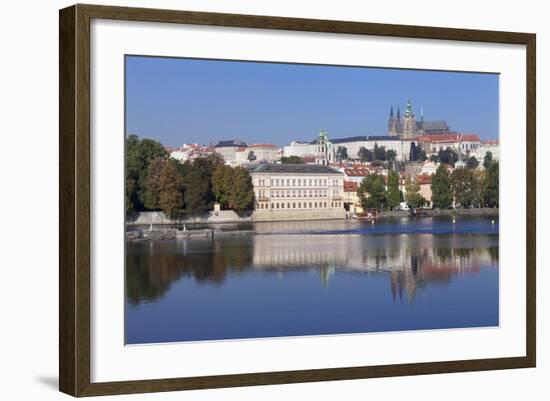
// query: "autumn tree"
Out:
[152,188]
[442,196]
[170,195]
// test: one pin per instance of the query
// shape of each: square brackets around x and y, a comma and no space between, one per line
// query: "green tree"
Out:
[413,153]
[365,155]
[139,154]
[241,196]
[478,185]
[442,196]
[412,194]
[198,197]
[205,167]
[372,192]
[463,189]
[171,196]
[448,156]
[393,189]
[152,188]
[434,158]
[491,185]
[292,160]
[222,178]
[422,155]
[487,159]
[379,152]
[391,155]
[341,153]
[233,188]
[472,162]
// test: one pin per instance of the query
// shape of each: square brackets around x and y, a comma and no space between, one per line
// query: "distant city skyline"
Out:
[176,101]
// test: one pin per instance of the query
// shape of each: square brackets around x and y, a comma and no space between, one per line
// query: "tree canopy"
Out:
[292,160]
[372,192]
[442,197]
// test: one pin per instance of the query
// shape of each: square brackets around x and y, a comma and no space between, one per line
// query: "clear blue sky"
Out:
[180,101]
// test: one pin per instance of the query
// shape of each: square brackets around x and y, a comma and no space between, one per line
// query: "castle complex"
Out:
[407,127]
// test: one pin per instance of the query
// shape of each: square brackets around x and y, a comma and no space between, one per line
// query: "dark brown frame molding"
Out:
[74,202]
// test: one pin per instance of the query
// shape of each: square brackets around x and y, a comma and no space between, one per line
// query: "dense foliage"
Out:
[372,192]
[292,160]
[393,189]
[156,182]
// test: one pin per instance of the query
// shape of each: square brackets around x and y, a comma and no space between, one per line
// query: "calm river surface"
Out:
[312,278]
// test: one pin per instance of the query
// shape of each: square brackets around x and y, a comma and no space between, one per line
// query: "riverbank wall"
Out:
[488,212]
[160,219]
[228,216]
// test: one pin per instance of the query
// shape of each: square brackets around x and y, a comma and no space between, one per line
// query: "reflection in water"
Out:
[411,261]
[299,259]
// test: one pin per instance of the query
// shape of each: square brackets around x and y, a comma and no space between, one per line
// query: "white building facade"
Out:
[402,147]
[297,192]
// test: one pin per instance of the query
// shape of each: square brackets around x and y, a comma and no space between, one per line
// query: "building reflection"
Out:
[410,262]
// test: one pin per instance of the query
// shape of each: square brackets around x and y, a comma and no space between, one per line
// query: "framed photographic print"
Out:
[250,200]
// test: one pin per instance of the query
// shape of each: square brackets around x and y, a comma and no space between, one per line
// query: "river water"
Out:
[314,278]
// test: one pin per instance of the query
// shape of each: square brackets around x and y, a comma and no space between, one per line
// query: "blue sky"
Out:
[178,101]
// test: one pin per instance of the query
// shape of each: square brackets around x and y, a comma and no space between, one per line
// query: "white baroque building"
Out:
[297,192]
[402,147]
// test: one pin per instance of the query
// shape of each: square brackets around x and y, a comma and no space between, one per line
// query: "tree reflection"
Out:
[410,262]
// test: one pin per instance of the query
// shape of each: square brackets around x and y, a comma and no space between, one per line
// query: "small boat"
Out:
[368,214]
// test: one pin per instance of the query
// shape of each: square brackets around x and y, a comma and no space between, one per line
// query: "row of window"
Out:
[299,205]
[292,182]
[299,193]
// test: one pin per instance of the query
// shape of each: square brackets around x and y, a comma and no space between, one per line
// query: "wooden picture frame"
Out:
[75,207]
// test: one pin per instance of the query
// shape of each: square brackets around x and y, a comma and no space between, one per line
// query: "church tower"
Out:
[325,150]
[409,122]
[392,124]
[398,122]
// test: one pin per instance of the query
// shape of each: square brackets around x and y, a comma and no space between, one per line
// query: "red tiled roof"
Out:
[448,138]
[240,149]
[350,186]
[491,142]
[424,179]
[263,145]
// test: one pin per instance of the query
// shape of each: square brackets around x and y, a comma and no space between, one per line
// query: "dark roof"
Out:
[440,125]
[295,168]
[365,138]
[349,139]
[231,143]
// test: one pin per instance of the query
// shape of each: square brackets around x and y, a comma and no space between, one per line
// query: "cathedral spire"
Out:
[391,111]
[398,113]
